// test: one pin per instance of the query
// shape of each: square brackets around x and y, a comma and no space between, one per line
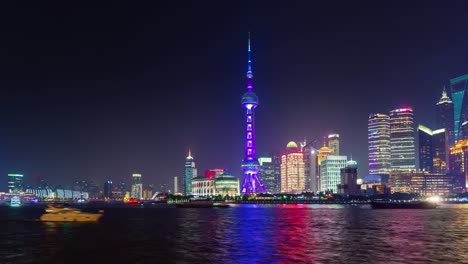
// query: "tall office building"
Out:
[267,173]
[15,183]
[425,149]
[445,118]
[311,168]
[432,149]
[459,162]
[276,172]
[189,173]
[250,165]
[108,189]
[334,143]
[378,128]
[137,186]
[402,140]
[464,131]
[330,173]
[459,87]
[176,185]
[348,183]
[292,170]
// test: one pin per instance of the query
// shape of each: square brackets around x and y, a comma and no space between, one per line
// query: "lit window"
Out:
[249,152]
[249,135]
[249,127]
[249,143]
[249,119]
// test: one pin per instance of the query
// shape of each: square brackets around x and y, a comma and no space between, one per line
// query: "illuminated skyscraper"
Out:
[189,174]
[464,131]
[250,165]
[267,173]
[445,118]
[176,185]
[108,189]
[292,170]
[15,183]
[459,87]
[348,183]
[330,173]
[137,186]
[425,149]
[322,153]
[379,143]
[311,168]
[459,162]
[402,140]
[334,143]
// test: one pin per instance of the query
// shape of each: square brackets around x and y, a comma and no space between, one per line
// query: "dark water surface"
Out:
[242,234]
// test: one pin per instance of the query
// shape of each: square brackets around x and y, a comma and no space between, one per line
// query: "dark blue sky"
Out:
[104,90]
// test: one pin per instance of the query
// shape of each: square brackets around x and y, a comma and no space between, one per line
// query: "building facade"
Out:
[459,162]
[330,173]
[379,143]
[333,142]
[108,189]
[445,118]
[189,173]
[349,177]
[15,183]
[402,139]
[426,154]
[421,182]
[137,186]
[222,185]
[459,88]
[267,173]
[311,168]
[292,170]
[176,184]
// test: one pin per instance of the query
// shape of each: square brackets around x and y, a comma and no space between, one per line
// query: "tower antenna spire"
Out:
[249,67]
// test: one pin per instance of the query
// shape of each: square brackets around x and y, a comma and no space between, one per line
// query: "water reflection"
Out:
[245,234]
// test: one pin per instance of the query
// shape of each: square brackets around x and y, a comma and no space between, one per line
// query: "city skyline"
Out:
[98,109]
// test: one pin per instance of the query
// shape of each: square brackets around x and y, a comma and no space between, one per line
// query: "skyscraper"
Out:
[292,170]
[267,173]
[137,186]
[334,143]
[459,87]
[15,183]
[349,174]
[108,189]
[276,172]
[440,152]
[250,165]
[445,118]
[459,162]
[402,140]
[464,131]
[176,185]
[189,173]
[330,173]
[379,143]
[425,149]
[311,168]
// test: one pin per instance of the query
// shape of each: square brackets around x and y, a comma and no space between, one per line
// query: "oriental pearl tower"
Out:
[250,165]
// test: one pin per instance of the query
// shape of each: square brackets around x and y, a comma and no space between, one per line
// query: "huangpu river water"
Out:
[241,234]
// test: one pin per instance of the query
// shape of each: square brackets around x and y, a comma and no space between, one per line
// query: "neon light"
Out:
[250,164]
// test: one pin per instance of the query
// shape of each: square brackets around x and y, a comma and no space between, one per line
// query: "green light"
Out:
[425,129]
[15,175]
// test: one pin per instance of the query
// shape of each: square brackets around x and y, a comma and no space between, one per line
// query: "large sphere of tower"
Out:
[249,98]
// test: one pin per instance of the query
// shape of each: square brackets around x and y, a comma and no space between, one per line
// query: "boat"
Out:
[404,205]
[68,214]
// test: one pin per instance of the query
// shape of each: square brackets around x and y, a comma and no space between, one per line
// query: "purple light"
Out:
[250,165]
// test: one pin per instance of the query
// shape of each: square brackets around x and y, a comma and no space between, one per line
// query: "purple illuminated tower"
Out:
[250,165]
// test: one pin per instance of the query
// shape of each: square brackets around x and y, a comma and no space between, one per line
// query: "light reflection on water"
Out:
[243,234]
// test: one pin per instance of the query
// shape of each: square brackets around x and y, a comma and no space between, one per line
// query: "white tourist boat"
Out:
[67,214]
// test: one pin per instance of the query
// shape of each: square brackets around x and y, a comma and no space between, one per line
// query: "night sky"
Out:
[101,91]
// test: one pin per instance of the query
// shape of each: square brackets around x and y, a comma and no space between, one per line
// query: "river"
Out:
[241,234]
